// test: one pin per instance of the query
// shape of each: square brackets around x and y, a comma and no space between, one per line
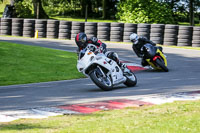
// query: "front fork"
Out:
[101,72]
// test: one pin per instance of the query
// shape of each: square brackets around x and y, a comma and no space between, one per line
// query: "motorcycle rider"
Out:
[82,41]
[138,43]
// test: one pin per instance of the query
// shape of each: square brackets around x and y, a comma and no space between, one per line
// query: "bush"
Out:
[141,11]
[58,7]
[23,9]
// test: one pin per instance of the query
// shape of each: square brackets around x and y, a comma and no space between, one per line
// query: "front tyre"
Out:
[104,83]
[131,79]
[161,64]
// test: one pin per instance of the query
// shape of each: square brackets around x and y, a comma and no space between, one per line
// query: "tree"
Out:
[22,8]
[38,9]
[191,12]
[184,10]
[104,5]
[12,2]
[142,11]
[194,6]
[109,8]
[83,7]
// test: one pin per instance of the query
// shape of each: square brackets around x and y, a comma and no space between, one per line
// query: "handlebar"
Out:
[92,47]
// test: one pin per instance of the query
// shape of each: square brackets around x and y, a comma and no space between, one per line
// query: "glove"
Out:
[94,40]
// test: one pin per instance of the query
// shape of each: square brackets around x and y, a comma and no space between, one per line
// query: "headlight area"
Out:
[80,69]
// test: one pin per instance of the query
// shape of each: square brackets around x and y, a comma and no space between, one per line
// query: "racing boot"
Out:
[144,62]
[124,68]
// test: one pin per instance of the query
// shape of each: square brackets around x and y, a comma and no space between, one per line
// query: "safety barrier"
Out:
[164,34]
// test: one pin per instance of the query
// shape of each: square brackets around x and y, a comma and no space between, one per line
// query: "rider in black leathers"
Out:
[82,41]
[138,43]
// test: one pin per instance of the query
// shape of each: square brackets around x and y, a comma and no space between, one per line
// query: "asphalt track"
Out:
[183,76]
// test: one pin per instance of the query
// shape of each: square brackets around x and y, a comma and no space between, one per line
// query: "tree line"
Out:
[133,11]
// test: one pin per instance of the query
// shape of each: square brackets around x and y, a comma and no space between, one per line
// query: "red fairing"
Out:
[155,57]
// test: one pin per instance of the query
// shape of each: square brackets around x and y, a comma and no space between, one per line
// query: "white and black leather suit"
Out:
[103,48]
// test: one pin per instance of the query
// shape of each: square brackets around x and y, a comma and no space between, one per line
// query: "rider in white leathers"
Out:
[82,41]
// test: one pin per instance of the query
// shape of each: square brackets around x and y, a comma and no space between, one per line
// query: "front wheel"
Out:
[131,79]
[161,64]
[104,83]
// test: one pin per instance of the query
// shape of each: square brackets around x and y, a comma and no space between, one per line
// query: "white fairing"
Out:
[89,58]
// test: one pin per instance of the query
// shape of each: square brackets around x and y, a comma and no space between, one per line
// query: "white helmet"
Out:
[134,38]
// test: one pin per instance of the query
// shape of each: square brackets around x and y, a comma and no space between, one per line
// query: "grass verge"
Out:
[20,64]
[183,47]
[188,24]
[81,19]
[177,117]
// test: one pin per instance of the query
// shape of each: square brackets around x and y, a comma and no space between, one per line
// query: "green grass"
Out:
[187,24]
[81,19]
[183,47]
[20,64]
[177,117]
[67,18]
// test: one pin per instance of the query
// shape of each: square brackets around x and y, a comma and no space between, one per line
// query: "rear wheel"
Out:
[161,64]
[105,83]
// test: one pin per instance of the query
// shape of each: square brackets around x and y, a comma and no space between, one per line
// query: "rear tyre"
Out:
[104,83]
[131,79]
[161,64]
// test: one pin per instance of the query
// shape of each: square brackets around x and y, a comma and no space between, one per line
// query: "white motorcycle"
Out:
[103,71]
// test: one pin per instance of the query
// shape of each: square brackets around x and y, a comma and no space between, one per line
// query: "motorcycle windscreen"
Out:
[82,53]
[149,50]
